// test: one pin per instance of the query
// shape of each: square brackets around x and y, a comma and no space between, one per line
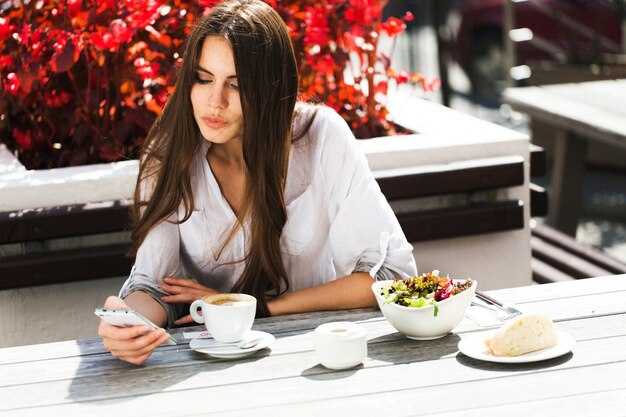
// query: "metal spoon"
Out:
[250,343]
[243,344]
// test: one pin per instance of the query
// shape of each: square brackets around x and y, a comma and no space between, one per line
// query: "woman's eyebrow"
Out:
[210,73]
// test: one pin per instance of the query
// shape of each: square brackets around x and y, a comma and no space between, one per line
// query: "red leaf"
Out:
[66,59]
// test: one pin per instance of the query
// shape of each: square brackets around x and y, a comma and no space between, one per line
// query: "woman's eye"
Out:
[234,86]
[201,80]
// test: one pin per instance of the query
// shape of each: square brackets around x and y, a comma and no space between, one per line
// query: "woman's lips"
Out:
[214,122]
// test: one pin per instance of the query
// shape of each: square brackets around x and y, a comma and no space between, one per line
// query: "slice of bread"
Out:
[523,334]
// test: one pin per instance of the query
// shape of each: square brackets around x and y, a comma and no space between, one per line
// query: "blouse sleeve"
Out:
[365,234]
[157,257]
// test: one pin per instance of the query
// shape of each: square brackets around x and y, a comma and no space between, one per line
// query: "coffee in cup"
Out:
[228,317]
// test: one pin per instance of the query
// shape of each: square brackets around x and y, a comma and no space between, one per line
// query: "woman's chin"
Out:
[218,138]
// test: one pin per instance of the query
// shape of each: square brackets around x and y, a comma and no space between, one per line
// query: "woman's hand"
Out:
[130,344]
[184,291]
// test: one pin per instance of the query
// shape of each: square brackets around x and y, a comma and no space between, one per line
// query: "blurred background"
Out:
[82,85]
[464,43]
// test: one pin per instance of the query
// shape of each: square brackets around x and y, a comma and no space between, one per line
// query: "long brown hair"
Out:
[267,76]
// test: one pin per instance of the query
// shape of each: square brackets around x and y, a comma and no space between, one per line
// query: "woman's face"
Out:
[215,93]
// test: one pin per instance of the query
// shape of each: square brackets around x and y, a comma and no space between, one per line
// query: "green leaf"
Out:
[420,302]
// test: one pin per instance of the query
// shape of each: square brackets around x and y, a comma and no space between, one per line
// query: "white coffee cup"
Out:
[228,317]
[340,345]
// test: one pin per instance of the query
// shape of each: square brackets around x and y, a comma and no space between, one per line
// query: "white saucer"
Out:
[217,350]
[474,346]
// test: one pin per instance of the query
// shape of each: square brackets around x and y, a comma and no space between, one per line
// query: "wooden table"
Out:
[400,377]
[579,113]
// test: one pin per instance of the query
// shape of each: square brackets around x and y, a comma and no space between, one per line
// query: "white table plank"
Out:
[607,400]
[581,287]
[525,382]
[285,372]
[594,109]
[289,323]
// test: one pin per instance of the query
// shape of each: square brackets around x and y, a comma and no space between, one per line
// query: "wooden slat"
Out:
[64,266]
[57,222]
[569,244]
[591,287]
[457,177]
[544,273]
[538,201]
[565,261]
[462,221]
[538,161]
[478,397]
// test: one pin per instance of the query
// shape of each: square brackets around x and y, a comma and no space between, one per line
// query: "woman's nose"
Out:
[217,97]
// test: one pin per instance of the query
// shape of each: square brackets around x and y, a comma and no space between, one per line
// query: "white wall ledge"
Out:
[25,189]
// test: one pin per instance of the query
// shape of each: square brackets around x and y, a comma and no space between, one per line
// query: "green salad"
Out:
[423,291]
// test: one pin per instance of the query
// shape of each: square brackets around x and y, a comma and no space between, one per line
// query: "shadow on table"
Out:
[397,348]
[100,376]
[509,367]
[320,373]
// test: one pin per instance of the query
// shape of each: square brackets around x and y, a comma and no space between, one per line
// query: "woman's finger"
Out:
[183,298]
[109,331]
[139,346]
[186,283]
[175,289]
[181,285]
[138,358]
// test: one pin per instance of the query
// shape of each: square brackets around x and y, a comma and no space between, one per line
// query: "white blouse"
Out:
[338,222]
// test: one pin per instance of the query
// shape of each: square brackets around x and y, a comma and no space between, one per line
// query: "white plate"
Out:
[215,349]
[474,346]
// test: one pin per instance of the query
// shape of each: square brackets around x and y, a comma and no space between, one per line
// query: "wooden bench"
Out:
[557,256]
[100,261]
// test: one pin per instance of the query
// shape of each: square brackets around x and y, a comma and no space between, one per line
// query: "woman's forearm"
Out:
[351,291]
[147,306]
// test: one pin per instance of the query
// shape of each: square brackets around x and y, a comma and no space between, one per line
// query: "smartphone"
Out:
[127,318]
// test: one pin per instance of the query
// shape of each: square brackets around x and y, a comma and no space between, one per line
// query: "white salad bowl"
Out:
[420,323]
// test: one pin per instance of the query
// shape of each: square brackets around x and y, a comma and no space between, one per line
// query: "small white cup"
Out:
[228,317]
[340,345]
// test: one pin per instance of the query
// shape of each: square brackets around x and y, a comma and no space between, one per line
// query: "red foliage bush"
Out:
[83,80]
[340,62]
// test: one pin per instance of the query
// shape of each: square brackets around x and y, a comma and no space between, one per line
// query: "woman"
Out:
[242,189]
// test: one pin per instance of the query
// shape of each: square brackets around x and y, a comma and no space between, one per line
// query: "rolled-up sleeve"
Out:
[361,218]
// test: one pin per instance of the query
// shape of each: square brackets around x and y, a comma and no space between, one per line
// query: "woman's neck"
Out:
[228,155]
[226,163]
